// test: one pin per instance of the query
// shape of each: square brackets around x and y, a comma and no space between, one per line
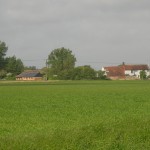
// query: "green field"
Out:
[75,115]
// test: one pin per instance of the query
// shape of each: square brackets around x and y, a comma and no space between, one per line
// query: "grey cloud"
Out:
[96,30]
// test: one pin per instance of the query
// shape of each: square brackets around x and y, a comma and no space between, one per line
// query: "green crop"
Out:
[75,115]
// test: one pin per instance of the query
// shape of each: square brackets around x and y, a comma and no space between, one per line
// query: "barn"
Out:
[30,75]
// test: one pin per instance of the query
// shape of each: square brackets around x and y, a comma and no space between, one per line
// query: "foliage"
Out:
[14,65]
[3,50]
[45,72]
[83,72]
[65,75]
[10,76]
[101,75]
[148,77]
[30,68]
[2,74]
[9,65]
[61,60]
[75,115]
[143,75]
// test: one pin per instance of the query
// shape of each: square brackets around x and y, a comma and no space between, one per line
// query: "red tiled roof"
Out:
[136,67]
[119,71]
[115,71]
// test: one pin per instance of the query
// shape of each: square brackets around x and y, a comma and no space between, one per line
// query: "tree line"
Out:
[9,66]
[60,65]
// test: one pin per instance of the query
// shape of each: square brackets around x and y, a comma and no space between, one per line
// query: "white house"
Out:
[125,71]
[134,70]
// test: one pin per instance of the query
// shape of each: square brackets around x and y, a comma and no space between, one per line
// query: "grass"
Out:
[75,115]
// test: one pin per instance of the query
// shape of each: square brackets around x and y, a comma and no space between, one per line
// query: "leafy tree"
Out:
[77,73]
[101,75]
[61,60]
[45,72]
[2,74]
[14,65]
[83,72]
[143,75]
[88,72]
[19,66]
[30,68]
[9,66]
[3,50]
[65,75]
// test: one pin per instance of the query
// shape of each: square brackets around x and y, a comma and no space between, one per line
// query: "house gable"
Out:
[115,72]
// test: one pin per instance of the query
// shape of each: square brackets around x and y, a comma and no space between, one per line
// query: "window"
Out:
[132,71]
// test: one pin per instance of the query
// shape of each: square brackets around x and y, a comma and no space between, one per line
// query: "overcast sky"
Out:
[99,32]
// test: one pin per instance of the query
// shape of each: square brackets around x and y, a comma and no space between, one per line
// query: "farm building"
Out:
[125,71]
[33,75]
[114,72]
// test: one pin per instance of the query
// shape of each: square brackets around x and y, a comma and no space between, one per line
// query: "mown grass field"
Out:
[75,115]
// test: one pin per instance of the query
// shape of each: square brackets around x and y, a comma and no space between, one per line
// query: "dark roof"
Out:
[34,73]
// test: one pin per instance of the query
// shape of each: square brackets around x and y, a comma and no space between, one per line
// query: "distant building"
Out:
[31,75]
[125,71]
[114,72]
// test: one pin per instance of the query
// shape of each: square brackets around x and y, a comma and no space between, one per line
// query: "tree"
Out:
[2,74]
[61,60]
[101,75]
[19,66]
[14,65]
[3,50]
[143,75]
[83,72]
[45,72]
[30,68]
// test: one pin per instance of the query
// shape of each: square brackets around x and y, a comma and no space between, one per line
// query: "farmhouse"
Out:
[125,71]
[33,75]
[114,72]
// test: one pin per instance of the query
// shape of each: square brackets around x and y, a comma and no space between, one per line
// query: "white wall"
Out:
[103,69]
[135,73]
